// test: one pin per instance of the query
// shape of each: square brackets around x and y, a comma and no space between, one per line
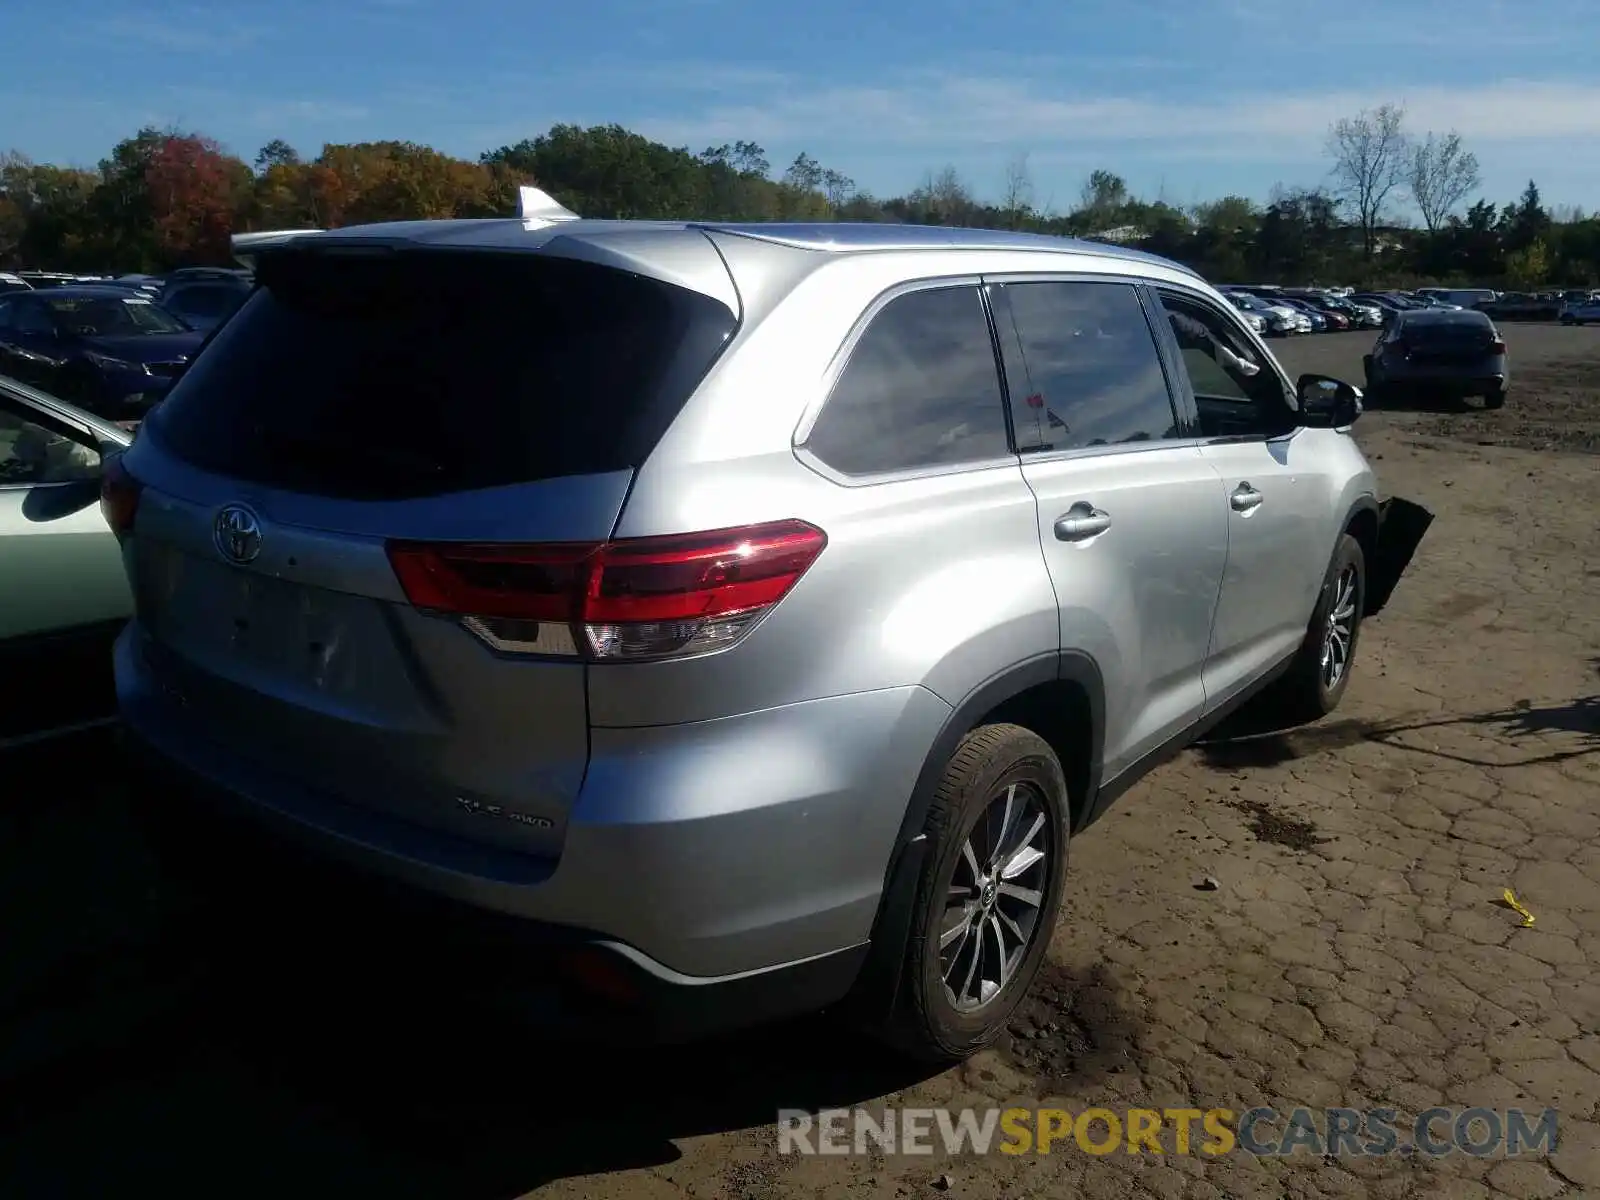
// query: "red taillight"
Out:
[630,599]
[1497,347]
[521,583]
[119,497]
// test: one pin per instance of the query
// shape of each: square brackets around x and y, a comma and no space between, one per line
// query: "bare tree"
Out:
[805,174]
[1018,196]
[943,198]
[1440,173]
[838,188]
[1369,161]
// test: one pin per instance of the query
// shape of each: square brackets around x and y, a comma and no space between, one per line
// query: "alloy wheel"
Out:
[1340,630]
[993,904]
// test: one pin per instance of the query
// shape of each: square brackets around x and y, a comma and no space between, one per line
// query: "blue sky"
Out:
[1187,98]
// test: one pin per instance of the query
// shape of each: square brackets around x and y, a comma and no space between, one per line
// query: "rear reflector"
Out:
[631,599]
[119,496]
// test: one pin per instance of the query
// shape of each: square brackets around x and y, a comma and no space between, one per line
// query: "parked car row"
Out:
[1276,311]
[114,346]
[1286,311]
[1580,308]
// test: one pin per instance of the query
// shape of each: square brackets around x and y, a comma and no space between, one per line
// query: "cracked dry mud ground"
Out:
[1366,963]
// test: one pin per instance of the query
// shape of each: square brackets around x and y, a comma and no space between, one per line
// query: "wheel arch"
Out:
[1361,522]
[1059,696]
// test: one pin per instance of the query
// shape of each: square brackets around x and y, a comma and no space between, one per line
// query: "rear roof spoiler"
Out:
[246,245]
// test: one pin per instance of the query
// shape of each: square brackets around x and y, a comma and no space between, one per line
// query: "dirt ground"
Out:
[1351,953]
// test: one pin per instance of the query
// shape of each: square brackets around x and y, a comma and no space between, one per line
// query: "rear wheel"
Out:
[987,899]
[1495,398]
[1372,395]
[1317,679]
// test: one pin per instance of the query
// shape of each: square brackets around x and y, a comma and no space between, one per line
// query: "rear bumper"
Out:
[272,890]
[739,858]
[1471,379]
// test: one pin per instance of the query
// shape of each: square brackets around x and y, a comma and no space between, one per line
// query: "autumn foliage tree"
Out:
[194,190]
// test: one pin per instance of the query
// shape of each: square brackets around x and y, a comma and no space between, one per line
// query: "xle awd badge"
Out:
[496,810]
[237,533]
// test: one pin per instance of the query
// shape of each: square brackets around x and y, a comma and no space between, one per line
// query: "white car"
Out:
[1299,320]
[1277,319]
[1581,312]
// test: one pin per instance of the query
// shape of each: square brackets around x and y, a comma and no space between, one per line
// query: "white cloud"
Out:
[275,114]
[185,32]
[961,113]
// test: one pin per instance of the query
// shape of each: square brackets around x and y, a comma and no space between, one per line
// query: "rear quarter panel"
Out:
[937,580]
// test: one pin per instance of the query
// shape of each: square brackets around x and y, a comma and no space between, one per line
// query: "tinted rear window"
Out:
[1458,332]
[423,372]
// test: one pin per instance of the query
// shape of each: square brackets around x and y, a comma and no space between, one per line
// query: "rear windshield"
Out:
[1441,332]
[423,372]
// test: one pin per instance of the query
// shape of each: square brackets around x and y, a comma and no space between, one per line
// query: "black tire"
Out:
[1305,693]
[1495,398]
[1366,372]
[990,761]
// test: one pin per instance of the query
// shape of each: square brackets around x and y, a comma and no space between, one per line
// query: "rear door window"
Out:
[35,450]
[1083,366]
[424,372]
[921,390]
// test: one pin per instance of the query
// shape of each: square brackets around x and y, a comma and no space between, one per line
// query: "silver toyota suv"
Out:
[751,612]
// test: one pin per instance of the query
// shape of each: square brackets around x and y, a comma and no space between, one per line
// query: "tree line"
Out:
[167,198]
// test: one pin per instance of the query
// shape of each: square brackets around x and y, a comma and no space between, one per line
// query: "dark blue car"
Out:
[104,349]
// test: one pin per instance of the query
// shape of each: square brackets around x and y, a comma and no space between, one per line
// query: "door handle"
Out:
[1245,498]
[1081,522]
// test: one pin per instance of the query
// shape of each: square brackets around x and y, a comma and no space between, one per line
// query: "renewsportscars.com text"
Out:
[1264,1132]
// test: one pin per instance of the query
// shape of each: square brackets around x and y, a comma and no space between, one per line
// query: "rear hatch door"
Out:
[419,395]
[1449,343]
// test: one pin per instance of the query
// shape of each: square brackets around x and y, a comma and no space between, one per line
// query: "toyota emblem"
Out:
[237,533]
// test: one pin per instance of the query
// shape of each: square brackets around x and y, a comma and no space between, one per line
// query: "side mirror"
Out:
[1326,402]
